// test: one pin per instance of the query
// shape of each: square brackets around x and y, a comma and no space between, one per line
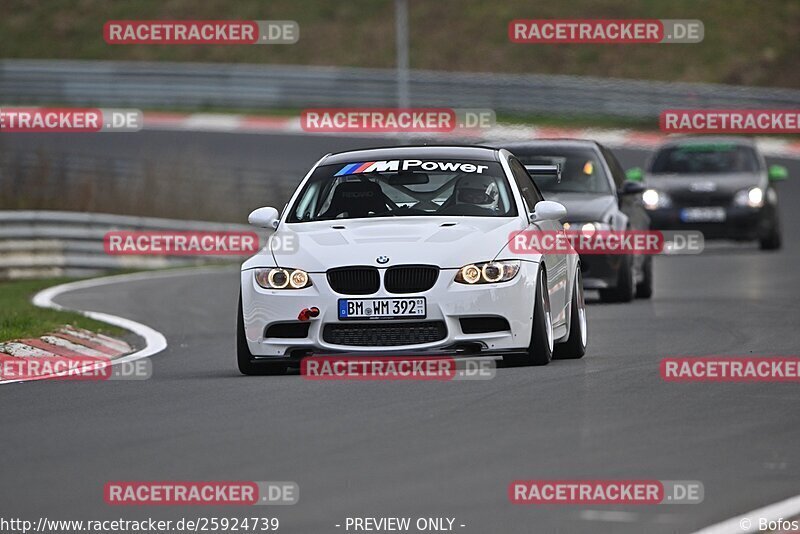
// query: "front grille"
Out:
[354,280]
[410,278]
[692,198]
[384,335]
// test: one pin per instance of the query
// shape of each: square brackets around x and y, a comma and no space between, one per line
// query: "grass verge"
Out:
[19,318]
[745,43]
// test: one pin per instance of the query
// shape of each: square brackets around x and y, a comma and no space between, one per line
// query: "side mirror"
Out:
[777,173]
[547,210]
[629,187]
[264,218]
[634,174]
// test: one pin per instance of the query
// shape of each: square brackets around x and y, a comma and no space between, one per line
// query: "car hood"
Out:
[441,241]
[704,183]
[584,207]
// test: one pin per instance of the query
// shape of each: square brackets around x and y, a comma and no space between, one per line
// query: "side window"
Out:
[617,172]
[525,183]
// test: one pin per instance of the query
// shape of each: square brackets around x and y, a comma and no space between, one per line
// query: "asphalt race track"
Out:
[427,448]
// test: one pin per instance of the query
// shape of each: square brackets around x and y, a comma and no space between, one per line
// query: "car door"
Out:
[630,205]
[556,264]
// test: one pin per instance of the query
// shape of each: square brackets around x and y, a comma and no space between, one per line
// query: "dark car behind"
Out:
[597,195]
[720,186]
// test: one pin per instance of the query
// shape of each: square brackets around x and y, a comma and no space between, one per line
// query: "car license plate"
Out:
[703,215]
[382,308]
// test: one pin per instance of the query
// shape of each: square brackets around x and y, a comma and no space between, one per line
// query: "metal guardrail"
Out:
[248,86]
[35,244]
[184,184]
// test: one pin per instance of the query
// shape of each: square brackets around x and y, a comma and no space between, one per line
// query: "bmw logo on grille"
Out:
[382,259]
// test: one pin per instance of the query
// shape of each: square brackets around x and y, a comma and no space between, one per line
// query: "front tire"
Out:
[626,284]
[644,289]
[540,350]
[244,358]
[772,241]
[575,345]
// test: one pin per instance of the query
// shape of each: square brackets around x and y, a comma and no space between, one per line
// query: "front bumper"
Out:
[741,223]
[447,303]
[601,271]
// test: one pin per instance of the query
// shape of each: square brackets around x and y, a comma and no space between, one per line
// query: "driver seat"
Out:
[356,199]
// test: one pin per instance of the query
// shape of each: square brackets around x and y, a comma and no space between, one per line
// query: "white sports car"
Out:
[405,250]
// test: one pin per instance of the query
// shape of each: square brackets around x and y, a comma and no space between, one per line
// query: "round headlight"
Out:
[298,279]
[278,278]
[755,197]
[650,198]
[471,274]
[492,272]
[588,228]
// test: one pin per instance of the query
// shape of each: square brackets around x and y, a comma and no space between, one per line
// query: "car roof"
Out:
[433,152]
[708,140]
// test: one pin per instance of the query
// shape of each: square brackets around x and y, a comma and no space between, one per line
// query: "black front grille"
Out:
[383,334]
[692,198]
[410,278]
[354,280]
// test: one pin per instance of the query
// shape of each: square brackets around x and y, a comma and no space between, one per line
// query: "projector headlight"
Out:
[489,272]
[655,199]
[279,278]
[587,227]
[592,227]
[752,198]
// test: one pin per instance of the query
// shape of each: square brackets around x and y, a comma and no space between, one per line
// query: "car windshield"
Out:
[705,159]
[403,188]
[581,170]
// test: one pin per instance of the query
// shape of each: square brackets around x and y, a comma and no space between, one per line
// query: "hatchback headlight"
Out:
[489,272]
[655,199]
[280,278]
[752,198]
[587,228]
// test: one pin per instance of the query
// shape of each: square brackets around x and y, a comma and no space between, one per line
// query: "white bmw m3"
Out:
[405,251]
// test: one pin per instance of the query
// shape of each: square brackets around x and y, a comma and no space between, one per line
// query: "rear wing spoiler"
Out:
[545,170]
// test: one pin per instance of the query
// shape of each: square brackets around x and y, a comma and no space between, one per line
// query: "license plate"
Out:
[703,214]
[382,308]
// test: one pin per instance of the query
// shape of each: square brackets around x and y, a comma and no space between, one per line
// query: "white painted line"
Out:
[215,122]
[155,341]
[749,522]
[609,515]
